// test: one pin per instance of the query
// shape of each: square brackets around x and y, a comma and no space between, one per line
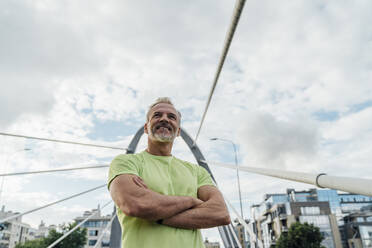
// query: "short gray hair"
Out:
[162,100]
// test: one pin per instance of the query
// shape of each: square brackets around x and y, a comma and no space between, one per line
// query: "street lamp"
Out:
[6,164]
[237,172]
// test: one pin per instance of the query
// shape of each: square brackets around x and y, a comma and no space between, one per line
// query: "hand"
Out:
[197,201]
[139,182]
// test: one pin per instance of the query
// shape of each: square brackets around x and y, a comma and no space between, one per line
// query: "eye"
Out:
[172,116]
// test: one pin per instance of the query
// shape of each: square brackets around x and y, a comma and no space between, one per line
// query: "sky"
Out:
[295,92]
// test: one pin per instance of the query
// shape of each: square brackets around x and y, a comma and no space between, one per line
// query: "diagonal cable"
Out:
[229,36]
[50,204]
[234,235]
[77,226]
[53,170]
[241,221]
[103,232]
[61,141]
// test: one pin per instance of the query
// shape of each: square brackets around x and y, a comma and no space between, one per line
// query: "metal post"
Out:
[237,172]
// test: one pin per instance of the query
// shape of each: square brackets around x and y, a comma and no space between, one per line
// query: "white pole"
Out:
[321,180]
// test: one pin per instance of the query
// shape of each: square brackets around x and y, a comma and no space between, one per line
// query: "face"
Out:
[163,123]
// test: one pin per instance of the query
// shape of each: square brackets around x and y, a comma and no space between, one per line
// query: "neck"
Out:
[159,148]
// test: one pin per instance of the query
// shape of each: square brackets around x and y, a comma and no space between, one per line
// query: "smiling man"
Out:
[163,201]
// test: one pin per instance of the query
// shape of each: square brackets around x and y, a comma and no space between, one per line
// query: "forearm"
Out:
[163,206]
[155,206]
[206,215]
[137,200]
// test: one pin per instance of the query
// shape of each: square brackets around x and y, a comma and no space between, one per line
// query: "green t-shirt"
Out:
[166,175]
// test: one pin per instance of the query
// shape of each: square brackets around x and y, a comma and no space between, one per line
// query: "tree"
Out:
[301,236]
[76,239]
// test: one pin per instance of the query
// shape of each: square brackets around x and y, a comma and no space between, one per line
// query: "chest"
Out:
[171,178]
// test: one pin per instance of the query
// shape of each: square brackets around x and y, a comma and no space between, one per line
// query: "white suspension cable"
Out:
[77,226]
[321,180]
[229,36]
[103,232]
[234,235]
[53,170]
[61,141]
[241,221]
[229,236]
[50,204]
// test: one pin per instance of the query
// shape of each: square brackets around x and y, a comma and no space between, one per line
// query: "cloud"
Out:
[272,142]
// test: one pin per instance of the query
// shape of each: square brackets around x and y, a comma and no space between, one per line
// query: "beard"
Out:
[159,132]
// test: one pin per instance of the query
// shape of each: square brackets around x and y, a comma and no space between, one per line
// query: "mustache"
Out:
[163,124]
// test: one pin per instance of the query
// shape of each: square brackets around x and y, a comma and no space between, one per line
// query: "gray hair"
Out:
[162,100]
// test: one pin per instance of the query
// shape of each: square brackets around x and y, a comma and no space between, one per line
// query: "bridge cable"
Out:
[77,226]
[359,186]
[50,204]
[61,141]
[229,36]
[234,235]
[53,170]
[241,221]
[105,230]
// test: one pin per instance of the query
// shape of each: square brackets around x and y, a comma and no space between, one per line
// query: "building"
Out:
[357,229]
[14,231]
[208,244]
[95,226]
[278,211]
[240,233]
[43,230]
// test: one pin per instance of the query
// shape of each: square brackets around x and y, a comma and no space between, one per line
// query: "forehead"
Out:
[163,108]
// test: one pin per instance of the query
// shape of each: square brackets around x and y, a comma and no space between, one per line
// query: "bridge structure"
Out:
[228,235]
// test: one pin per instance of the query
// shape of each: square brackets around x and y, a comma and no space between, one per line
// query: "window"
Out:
[360,219]
[93,232]
[310,210]
[92,242]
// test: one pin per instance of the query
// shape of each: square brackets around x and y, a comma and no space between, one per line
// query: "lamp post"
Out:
[237,172]
[6,164]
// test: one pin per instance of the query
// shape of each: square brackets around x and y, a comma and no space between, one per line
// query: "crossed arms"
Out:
[134,198]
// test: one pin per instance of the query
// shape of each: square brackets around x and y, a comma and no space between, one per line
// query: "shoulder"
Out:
[128,158]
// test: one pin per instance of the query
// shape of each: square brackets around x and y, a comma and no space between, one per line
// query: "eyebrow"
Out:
[159,112]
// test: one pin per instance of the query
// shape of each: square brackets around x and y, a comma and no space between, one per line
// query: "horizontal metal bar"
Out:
[347,184]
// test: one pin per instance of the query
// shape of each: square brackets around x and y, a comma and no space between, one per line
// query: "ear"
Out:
[179,131]
[145,128]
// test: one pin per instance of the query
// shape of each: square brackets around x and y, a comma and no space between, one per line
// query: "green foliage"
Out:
[37,243]
[301,236]
[76,239]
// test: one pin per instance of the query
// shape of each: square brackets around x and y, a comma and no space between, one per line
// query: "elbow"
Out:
[134,210]
[225,219]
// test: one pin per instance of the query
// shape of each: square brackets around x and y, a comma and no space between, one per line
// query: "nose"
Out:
[164,118]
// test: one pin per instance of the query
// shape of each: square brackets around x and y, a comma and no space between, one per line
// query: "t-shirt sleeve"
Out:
[122,164]
[204,178]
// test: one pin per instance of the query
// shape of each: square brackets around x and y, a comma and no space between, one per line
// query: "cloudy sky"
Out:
[295,92]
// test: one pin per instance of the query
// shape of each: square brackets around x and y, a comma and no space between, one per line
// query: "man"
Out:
[161,200]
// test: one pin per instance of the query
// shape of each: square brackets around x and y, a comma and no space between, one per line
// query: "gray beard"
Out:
[160,137]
